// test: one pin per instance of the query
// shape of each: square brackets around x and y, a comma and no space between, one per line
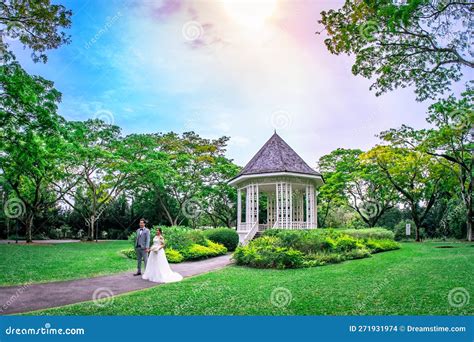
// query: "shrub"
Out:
[280,248]
[369,233]
[129,253]
[174,256]
[265,256]
[225,236]
[196,252]
[381,245]
[357,253]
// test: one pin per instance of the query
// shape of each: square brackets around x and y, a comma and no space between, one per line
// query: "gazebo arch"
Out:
[279,175]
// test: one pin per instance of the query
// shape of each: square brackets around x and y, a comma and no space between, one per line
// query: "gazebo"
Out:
[277,179]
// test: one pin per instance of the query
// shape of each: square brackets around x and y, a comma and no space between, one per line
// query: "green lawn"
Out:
[414,280]
[23,264]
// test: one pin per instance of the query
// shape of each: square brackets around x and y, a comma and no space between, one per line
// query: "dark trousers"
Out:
[141,254]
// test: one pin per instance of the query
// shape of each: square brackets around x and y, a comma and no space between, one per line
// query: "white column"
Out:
[239,208]
[277,204]
[248,204]
[316,209]
[289,196]
[309,206]
[256,203]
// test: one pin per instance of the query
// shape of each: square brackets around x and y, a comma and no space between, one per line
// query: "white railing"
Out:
[294,225]
[247,230]
[250,234]
[245,226]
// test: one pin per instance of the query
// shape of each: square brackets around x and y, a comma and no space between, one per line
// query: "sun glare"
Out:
[251,14]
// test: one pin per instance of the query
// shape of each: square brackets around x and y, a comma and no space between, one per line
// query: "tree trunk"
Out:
[29,227]
[470,215]
[91,228]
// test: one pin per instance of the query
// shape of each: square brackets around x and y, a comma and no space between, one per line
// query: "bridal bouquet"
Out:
[155,248]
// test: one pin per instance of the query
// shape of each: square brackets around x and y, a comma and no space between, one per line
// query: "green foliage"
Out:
[36,24]
[282,248]
[372,233]
[382,245]
[265,255]
[225,236]
[196,252]
[400,46]
[172,255]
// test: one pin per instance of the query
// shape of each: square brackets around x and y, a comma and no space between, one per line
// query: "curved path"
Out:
[24,298]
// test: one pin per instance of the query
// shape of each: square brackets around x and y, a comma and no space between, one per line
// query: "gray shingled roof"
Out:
[277,156]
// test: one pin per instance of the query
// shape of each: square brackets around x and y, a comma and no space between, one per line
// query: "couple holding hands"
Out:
[157,268]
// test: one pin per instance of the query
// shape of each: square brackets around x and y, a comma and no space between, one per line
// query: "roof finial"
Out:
[274,131]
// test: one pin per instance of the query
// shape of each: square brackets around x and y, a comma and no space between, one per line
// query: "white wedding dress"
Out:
[157,268]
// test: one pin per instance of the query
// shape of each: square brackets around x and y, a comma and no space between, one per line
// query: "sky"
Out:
[241,69]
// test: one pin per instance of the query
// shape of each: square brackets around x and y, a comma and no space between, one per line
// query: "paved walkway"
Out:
[16,299]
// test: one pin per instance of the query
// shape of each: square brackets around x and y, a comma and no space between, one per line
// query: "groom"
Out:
[142,246]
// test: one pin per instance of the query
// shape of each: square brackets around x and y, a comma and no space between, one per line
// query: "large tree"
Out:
[367,190]
[179,183]
[420,43]
[103,163]
[452,140]
[31,139]
[419,178]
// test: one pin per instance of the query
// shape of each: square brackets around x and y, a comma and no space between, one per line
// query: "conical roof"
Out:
[277,156]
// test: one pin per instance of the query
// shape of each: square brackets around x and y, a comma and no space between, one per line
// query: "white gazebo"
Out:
[283,183]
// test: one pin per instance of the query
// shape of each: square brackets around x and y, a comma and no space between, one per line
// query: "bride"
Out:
[157,268]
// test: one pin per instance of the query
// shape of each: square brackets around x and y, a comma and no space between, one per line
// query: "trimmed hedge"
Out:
[280,248]
[225,236]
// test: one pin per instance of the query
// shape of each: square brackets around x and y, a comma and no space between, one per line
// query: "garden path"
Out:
[24,298]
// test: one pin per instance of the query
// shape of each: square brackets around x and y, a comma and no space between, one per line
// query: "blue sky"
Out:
[219,69]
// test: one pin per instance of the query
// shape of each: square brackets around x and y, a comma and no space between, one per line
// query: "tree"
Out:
[367,190]
[37,24]
[418,177]
[331,194]
[31,139]
[423,43]
[452,141]
[217,195]
[104,163]
[179,183]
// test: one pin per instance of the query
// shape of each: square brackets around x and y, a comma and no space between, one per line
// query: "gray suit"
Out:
[142,242]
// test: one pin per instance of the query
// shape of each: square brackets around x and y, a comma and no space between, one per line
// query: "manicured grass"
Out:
[23,264]
[414,280]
